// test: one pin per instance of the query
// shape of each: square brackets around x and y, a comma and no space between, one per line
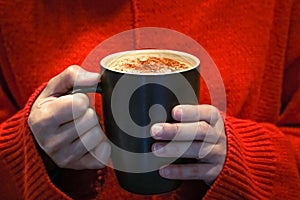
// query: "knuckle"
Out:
[103,152]
[215,114]
[63,160]
[177,172]
[171,130]
[212,174]
[107,147]
[220,129]
[31,121]
[81,149]
[97,136]
[72,70]
[52,145]
[196,172]
[203,126]
[213,109]
[40,127]
[97,132]
[80,101]
[175,129]
[92,115]
[62,163]
[38,118]
[51,82]
[47,118]
[48,148]
[220,152]
[41,142]
[45,113]
[219,168]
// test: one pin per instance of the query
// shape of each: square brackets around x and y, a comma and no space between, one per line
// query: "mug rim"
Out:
[103,62]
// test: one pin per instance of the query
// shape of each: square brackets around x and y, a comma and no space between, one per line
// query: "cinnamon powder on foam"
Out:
[148,64]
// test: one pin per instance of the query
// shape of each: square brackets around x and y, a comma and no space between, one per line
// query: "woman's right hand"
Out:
[65,127]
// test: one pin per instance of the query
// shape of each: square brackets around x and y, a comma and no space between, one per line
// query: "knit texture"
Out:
[22,162]
[255,44]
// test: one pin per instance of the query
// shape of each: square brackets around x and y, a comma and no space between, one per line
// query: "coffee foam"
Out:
[150,62]
[147,64]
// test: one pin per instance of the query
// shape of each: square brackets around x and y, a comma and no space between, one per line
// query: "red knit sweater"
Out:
[254,43]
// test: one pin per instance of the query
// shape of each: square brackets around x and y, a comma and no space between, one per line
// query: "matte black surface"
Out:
[140,102]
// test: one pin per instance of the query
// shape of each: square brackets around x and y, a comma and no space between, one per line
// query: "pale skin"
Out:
[199,135]
[67,129]
[65,126]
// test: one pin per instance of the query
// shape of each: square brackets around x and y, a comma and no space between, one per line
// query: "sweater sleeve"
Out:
[263,159]
[23,175]
[261,163]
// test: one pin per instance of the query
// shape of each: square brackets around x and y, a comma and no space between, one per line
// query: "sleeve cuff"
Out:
[21,157]
[250,163]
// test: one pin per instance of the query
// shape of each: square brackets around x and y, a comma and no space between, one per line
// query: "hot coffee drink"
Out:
[149,64]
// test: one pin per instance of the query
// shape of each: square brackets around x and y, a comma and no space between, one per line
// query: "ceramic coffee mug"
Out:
[140,88]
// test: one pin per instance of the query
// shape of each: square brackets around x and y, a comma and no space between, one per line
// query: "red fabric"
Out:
[255,44]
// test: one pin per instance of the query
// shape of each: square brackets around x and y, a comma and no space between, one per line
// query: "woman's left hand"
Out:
[199,135]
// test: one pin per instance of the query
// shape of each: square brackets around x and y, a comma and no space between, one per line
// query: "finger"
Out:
[96,159]
[102,152]
[206,152]
[185,131]
[68,132]
[79,147]
[206,172]
[64,109]
[192,113]
[73,75]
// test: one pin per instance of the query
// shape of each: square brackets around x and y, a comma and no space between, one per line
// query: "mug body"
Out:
[132,103]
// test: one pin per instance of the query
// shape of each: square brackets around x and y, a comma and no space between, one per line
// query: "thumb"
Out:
[70,77]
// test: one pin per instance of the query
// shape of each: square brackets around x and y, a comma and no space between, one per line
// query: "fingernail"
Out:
[178,113]
[156,131]
[158,148]
[165,172]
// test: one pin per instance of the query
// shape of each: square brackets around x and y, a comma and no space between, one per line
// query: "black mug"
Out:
[132,103]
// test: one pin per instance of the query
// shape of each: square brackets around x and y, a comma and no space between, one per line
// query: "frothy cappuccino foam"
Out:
[147,64]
